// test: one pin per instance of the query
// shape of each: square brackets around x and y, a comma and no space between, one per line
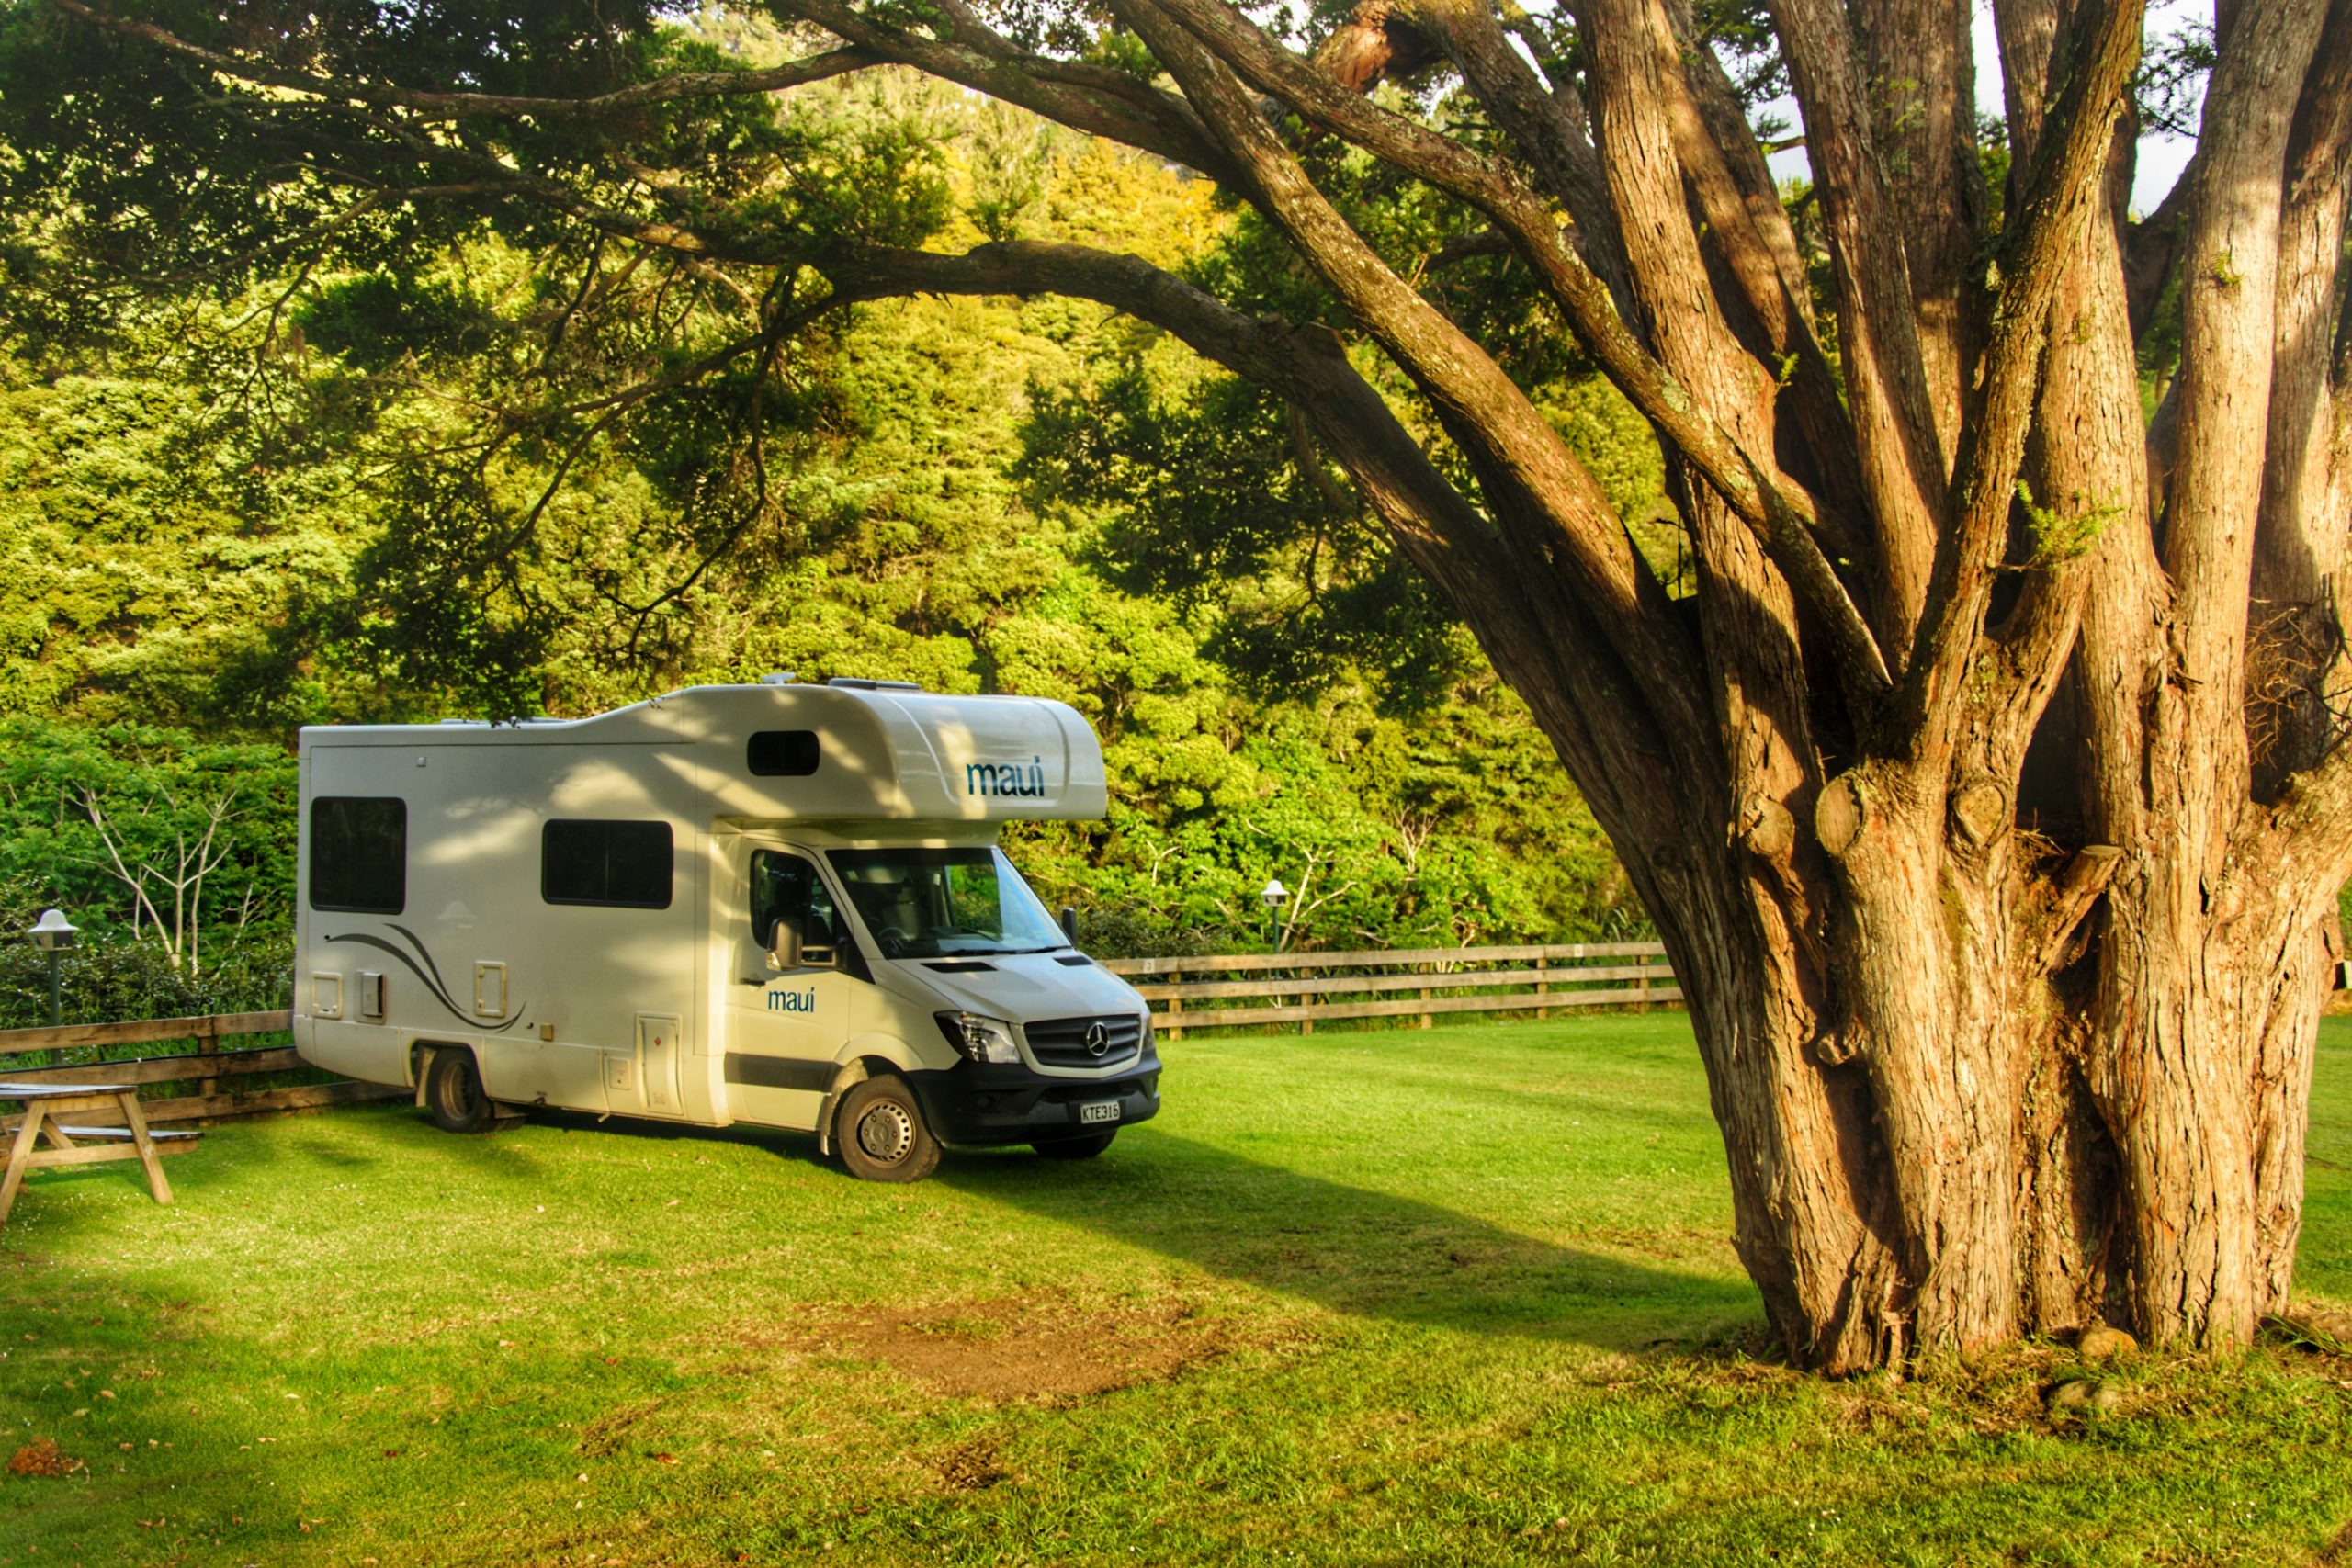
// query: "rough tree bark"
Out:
[1985,790]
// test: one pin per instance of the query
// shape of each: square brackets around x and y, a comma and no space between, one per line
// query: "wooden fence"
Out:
[1245,990]
[1254,990]
[25,1057]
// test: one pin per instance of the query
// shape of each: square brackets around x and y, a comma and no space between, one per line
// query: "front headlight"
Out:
[981,1039]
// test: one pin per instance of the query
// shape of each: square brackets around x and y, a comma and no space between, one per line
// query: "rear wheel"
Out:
[1086,1147]
[883,1136]
[453,1094]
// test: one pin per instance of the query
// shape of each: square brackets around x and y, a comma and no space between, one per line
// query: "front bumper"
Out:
[981,1103]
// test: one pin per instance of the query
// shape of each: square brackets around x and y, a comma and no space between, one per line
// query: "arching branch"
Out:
[1574,673]
[432,104]
[1781,515]
[2066,187]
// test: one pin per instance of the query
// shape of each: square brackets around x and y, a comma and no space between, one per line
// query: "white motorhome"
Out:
[778,904]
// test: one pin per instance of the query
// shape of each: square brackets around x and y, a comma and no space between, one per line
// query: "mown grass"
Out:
[1446,1296]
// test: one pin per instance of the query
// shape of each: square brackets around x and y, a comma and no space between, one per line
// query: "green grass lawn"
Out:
[1454,1296]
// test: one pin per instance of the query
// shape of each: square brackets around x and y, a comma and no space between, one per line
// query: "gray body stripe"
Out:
[779,1072]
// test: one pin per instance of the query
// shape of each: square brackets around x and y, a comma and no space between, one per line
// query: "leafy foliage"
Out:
[487,465]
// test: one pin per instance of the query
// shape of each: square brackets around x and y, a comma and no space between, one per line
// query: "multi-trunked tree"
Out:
[1985,787]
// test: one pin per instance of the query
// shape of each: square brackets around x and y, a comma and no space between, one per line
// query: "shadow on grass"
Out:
[1360,1252]
[1352,1249]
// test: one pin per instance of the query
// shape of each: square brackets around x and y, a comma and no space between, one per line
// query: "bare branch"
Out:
[2229,320]
[1091,98]
[2064,189]
[1762,497]
[1540,638]
[1902,463]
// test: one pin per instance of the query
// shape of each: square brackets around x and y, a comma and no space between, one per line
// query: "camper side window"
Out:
[359,854]
[786,886]
[621,865]
[781,753]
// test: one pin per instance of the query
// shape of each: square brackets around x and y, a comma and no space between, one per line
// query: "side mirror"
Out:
[1068,918]
[784,945]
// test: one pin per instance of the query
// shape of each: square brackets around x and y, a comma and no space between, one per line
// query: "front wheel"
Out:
[883,1136]
[453,1094]
[1086,1147]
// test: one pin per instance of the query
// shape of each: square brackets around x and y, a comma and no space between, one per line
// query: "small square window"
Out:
[359,854]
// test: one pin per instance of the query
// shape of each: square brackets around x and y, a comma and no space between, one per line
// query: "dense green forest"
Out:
[369,492]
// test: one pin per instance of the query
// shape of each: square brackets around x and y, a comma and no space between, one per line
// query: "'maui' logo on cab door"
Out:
[793,1001]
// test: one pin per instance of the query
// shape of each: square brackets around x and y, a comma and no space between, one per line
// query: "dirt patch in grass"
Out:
[970,1467]
[1046,1348]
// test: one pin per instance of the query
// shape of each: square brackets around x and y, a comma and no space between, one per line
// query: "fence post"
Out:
[208,1043]
[1644,986]
[1175,1009]
[1542,986]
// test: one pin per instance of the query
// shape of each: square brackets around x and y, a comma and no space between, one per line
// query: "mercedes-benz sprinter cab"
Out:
[776,903]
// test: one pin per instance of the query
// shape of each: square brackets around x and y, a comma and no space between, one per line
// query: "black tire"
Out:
[453,1094]
[882,1134]
[1086,1147]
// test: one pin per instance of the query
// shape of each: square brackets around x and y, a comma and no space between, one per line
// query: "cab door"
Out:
[798,986]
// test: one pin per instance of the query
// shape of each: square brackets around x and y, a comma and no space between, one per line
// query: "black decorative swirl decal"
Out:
[432,981]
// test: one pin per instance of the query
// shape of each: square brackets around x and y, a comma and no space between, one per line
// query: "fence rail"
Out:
[1304,988]
[23,1054]
[1307,989]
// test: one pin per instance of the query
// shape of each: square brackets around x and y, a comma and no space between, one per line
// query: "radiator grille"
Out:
[1070,1041]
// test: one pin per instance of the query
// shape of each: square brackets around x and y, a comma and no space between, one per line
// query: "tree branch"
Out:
[1580,534]
[1543,643]
[1779,511]
[1902,460]
[2064,188]
[1094,100]
[456,105]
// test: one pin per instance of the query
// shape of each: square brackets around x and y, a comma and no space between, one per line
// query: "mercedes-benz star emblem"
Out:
[1097,1038]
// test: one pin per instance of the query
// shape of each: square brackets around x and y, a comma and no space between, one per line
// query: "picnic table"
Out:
[46,1105]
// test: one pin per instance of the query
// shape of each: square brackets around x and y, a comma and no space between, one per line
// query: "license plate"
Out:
[1099,1111]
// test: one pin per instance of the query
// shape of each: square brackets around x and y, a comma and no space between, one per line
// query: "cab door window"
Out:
[786,890]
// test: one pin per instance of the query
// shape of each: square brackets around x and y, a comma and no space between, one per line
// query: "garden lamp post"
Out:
[1274,895]
[52,934]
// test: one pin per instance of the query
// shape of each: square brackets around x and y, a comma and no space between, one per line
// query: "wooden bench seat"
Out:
[180,1137]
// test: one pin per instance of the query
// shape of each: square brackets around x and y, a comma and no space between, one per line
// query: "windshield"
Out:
[946,903]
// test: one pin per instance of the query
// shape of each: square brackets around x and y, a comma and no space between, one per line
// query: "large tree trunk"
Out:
[2020,1116]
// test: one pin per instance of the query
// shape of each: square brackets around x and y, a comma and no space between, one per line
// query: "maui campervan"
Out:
[775,904]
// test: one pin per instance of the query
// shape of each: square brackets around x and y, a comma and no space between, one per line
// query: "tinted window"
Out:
[359,854]
[623,863]
[781,753]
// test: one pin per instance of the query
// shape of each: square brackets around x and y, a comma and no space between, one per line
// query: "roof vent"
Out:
[859,683]
[777,678]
